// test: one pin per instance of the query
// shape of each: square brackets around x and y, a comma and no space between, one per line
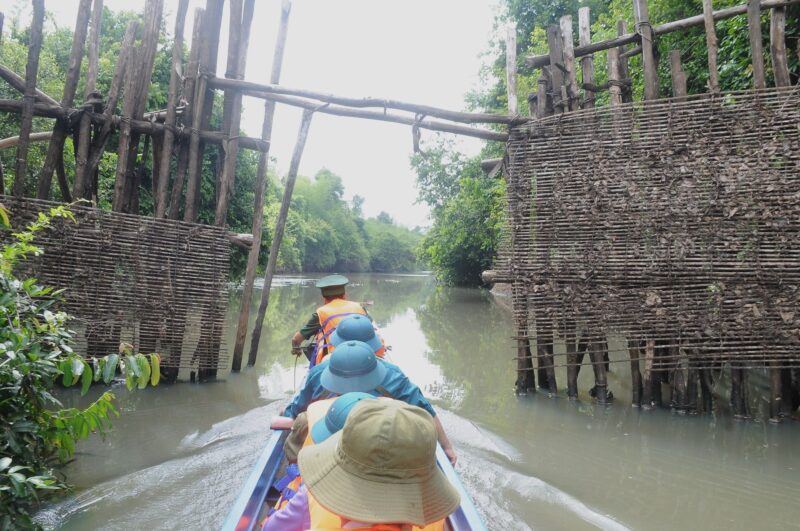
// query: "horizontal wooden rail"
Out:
[538,61]
[47,110]
[12,141]
[256,89]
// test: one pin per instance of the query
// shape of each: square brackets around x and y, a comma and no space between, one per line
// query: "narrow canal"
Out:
[178,454]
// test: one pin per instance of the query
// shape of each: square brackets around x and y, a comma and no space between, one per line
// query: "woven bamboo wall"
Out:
[159,284]
[673,221]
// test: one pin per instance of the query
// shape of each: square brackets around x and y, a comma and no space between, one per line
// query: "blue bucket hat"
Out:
[356,328]
[336,415]
[352,367]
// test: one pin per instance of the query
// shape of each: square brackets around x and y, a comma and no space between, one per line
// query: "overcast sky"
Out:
[422,51]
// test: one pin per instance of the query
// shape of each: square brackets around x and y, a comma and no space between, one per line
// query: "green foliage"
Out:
[36,355]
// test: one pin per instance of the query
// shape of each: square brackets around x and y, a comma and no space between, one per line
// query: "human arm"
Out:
[293,517]
[310,391]
[309,329]
[444,440]
[281,423]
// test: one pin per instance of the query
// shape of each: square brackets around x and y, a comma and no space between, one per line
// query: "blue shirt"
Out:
[395,385]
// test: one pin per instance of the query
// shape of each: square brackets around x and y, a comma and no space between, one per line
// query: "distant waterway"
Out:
[179,453]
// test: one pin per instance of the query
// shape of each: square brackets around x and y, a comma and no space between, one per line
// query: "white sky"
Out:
[421,51]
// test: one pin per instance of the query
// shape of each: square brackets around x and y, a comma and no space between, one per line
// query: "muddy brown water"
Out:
[179,453]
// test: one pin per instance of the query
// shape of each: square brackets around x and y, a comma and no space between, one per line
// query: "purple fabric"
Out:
[293,517]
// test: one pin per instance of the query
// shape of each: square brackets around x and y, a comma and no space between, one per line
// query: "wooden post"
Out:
[614,82]
[678,75]
[203,100]
[232,149]
[776,392]
[543,101]
[756,46]
[261,184]
[554,43]
[277,236]
[596,354]
[190,79]
[587,62]
[647,384]
[711,46]
[568,52]
[56,145]
[160,196]
[31,72]
[80,188]
[644,29]
[738,391]
[572,357]
[627,93]
[777,46]
[635,353]
[511,68]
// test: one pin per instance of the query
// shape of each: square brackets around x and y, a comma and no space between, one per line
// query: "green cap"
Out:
[332,284]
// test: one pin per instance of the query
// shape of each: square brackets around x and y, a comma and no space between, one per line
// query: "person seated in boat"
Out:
[325,417]
[325,320]
[353,366]
[378,472]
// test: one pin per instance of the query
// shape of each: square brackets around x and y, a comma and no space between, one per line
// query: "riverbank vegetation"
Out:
[325,231]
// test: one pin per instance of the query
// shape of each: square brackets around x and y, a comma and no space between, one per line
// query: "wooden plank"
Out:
[56,146]
[756,45]
[538,61]
[511,68]
[587,62]
[160,196]
[555,44]
[649,60]
[711,46]
[568,48]
[258,207]
[277,236]
[31,71]
[80,190]
[777,46]
[678,75]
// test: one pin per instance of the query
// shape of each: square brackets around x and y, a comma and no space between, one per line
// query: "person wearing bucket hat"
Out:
[358,328]
[354,367]
[325,320]
[379,469]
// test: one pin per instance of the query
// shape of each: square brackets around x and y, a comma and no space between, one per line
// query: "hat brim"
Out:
[375,343]
[364,383]
[419,503]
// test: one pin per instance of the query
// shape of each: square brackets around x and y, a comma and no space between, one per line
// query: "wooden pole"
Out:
[234,37]
[587,62]
[232,146]
[188,115]
[635,353]
[261,185]
[649,62]
[627,93]
[555,43]
[56,145]
[756,46]
[543,104]
[31,71]
[160,196]
[511,68]
[678,75]
[596,354]
[568,47]
[570,340]
[277,236]
[614,82]
[711,46]
[80,189]
[777,46]
[647,383]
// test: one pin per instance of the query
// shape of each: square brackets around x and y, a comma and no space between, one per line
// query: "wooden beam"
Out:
[261,185]
[587,63]
[538,61]
[678,75]
[624,74]
[12,141]
[511,68]
[258,90]
[756,45]
[277,236]
[711,46]
[777,46]
[558,92]
[614,88]
[80,188]
[160,196]
[568,47]
[31,71]
[649,60]
[18,82]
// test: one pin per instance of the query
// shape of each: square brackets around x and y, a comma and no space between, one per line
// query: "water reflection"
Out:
[178,453]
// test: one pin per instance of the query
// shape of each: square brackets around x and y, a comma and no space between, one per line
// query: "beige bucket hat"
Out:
[381,468]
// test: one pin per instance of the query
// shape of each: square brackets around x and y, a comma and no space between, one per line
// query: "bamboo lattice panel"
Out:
[675,221]
[159,284]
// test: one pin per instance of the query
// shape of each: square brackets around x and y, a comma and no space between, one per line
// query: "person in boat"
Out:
[379,472]
[324,321]
[325,417]
[353,366]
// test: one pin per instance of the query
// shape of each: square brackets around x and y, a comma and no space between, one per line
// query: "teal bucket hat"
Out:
[352,367]
[356,328]
[336,416]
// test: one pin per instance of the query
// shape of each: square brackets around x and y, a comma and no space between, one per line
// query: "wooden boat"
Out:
[258,493]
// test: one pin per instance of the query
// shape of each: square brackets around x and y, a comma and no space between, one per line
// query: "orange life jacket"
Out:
[330,315]
[324,520]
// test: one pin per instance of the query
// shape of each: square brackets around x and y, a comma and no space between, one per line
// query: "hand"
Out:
[296,350]
[451,455]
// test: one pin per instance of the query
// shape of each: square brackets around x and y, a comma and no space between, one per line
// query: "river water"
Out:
[178,453]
